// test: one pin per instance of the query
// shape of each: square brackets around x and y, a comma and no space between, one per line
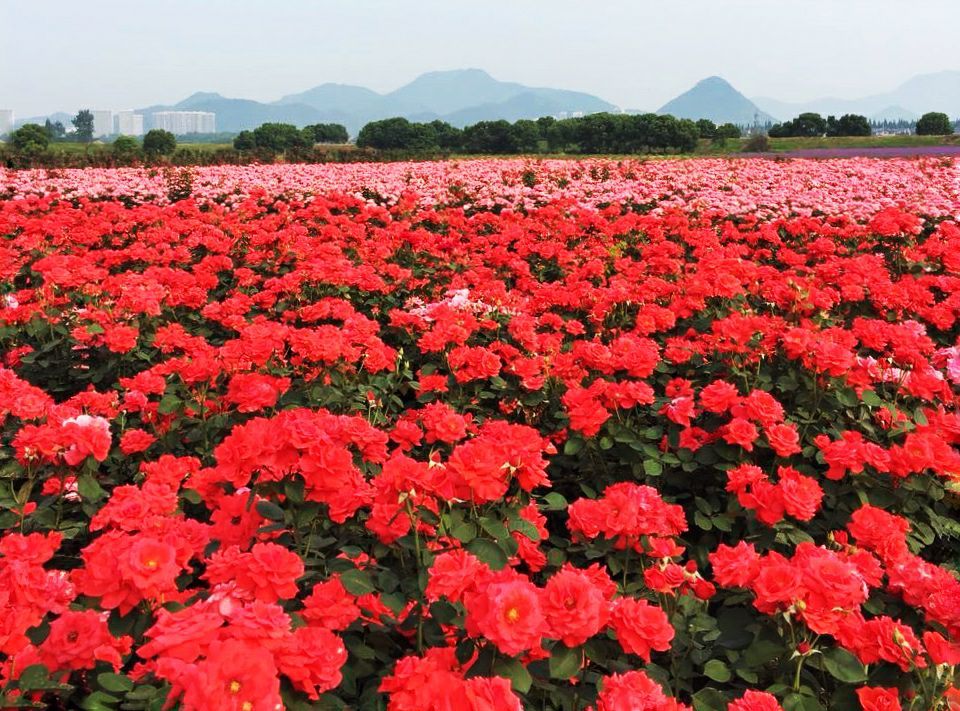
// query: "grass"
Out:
[785,145]
[705,148]
[793,144]
[97,148]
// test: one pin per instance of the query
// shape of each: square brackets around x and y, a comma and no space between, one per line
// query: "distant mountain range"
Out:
[459,97]
[917,96]
[465,96]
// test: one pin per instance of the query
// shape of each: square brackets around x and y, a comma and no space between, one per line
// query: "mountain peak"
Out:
[714,81]
[199,97]
[444,92]
[468,73]
[714,98]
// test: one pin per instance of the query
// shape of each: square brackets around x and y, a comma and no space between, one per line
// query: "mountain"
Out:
[715,99]
[60,116]
[347,98]
[460,96]
[916,96]
[451,91]
[531,104]
[240,114]
[894,113]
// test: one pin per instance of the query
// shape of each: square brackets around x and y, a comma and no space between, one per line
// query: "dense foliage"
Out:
[158,142]
[595,133]
[810,125]
[486,435]
[934,123]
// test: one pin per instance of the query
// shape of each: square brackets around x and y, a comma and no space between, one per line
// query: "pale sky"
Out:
[117,54]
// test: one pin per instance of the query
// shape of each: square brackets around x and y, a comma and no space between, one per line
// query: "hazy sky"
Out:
[65,55]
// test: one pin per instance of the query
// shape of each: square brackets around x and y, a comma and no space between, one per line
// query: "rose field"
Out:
[482,435]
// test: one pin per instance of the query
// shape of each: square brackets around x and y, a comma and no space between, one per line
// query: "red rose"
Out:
[575,608]
[783,439]
[740,431]
[737,566]
[755,701]
[640,627]
[801,494]
[875,698]
[508,613]
[719,396]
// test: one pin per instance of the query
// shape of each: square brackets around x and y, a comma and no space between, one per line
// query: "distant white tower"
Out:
[102,123]
[129,123]
[184,122]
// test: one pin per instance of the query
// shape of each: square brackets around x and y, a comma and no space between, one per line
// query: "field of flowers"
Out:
[490,435]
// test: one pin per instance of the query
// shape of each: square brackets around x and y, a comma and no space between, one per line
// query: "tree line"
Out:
[812,125]
[594,133]
[600,133]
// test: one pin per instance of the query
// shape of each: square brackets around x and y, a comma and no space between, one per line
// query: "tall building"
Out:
[102,123]
[128,123]
[6,121]
[183,122]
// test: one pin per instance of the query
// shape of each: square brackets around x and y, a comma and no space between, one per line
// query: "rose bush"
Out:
[442,436]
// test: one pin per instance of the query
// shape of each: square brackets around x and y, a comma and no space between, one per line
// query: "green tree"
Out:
[279,137]
[556,133]
[526,135]
[55,130]
[397,134]
[490,137]
[448,138]
[728,130]
[83,122]
[848,125]
[125,148]
[30,139]
[158,142]
[326,133]
[809,125]
[244,141]
[934,123]
[707,128]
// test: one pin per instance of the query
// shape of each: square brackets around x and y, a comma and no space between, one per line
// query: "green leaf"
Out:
[871,399]
[526,528]
[488,552]
[36,676]
[572,446]
[443,612]
[114,682]
[464,532]
[801,702]
[846,397]
[717,670]
[565,662]
[652,467]
[514,670]
[168,404]
[270,510]
[709,699]
[494,527]
[555,501]
[99,701]
[89,488]
[357,582]
[843,665]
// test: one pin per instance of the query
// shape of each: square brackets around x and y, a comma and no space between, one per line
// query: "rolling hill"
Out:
[715,99]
